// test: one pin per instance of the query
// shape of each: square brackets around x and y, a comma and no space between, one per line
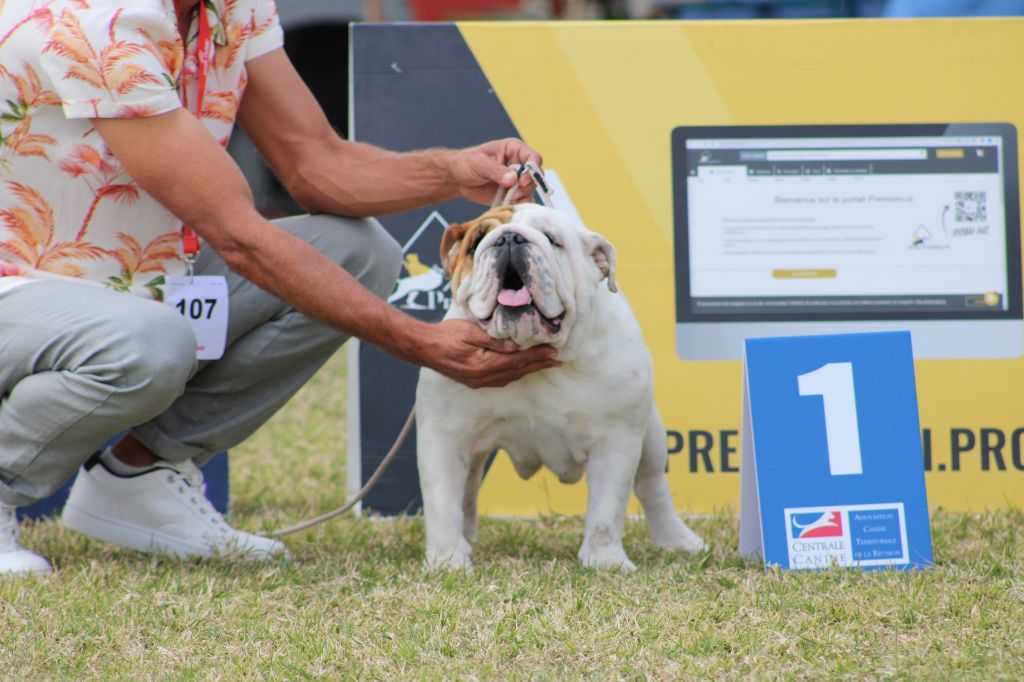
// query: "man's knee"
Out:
[387,260]
[362,246]
[158,354]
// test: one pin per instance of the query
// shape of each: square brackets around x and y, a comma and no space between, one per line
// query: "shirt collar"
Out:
[218,30]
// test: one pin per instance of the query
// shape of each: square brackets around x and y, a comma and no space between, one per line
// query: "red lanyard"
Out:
[204,51]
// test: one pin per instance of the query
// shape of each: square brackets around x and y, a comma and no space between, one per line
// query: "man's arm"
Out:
[328,174]
[176,160]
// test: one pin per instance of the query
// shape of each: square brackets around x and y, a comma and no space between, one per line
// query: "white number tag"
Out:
[203,301]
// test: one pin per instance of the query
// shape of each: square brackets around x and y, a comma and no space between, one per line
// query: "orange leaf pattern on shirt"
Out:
[135,258]
[136,111]
[171,53]
[20,140]
[236,32]
[30,89]
[33,226]
[267,24]
[111,69]
[41,16]
[67,207]
[222,106]
[105,179]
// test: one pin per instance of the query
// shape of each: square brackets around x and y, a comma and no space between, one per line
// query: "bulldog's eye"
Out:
[551,239]
[476,243]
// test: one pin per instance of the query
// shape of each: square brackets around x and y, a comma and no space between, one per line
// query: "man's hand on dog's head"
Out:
[462,351]
[479,171]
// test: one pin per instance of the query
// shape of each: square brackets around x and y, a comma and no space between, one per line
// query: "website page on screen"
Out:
[841,226]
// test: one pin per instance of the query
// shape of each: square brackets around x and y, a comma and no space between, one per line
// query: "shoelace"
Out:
[189,481]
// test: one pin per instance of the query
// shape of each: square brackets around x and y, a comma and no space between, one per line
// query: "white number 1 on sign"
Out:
[834,383]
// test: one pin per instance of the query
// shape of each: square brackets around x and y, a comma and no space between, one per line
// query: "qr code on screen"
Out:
[970,207]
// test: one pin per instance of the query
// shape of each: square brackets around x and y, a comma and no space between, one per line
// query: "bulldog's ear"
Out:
[450,245]
[603,254]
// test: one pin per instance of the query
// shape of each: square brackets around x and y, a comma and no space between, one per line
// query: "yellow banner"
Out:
[600,102]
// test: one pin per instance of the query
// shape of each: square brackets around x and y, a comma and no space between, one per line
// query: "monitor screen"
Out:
[789,230]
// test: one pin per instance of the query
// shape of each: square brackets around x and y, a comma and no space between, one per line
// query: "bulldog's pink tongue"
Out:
[514,299]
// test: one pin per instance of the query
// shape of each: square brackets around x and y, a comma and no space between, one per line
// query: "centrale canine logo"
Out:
[827,524]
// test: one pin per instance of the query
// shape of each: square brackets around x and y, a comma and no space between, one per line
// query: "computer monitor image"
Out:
[791,230]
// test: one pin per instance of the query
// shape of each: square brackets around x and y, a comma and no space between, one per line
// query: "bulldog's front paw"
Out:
[457,557]
[606,556]
[673,534]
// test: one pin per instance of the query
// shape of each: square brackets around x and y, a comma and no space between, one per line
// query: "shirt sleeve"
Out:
[267,34]
[114,62]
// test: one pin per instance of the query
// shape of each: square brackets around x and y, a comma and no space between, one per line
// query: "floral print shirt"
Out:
[68,209]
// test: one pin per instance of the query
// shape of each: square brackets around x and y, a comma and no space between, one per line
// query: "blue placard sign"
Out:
[831,469]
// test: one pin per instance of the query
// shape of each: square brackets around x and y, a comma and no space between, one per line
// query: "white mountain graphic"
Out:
[424,286]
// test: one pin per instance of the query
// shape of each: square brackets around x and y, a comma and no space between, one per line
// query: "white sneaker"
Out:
[15,559]
[161,510]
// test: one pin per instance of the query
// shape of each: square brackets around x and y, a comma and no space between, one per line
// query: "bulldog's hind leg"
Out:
[610,470]
[443,476]
[651,487]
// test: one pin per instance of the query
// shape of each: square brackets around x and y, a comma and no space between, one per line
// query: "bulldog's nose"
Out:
[511,238]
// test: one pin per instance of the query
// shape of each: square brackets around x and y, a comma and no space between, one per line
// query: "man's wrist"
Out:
[442,162]
[406,337]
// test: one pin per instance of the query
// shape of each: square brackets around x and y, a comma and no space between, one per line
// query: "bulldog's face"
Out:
[526,273]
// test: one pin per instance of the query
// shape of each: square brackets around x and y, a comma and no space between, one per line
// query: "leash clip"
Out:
[507,197]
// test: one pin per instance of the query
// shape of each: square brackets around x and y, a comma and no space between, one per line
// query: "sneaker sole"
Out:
[37,566]
[128,535]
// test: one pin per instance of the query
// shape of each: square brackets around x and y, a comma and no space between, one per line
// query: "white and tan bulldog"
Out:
[531,274]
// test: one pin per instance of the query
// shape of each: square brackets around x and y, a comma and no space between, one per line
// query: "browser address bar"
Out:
[847,154]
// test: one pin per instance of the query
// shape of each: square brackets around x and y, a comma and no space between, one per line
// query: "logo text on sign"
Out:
[847,535]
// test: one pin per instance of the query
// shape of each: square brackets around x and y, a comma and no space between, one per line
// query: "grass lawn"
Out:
[354,602]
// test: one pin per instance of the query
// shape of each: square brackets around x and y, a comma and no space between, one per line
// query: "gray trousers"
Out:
[79,363]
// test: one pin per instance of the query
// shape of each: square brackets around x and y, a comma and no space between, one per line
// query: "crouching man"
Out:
[117,115]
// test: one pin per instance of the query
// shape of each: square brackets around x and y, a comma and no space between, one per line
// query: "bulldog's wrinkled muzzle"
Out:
[512,268]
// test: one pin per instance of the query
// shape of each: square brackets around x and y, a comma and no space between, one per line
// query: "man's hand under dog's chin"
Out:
[462,351]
